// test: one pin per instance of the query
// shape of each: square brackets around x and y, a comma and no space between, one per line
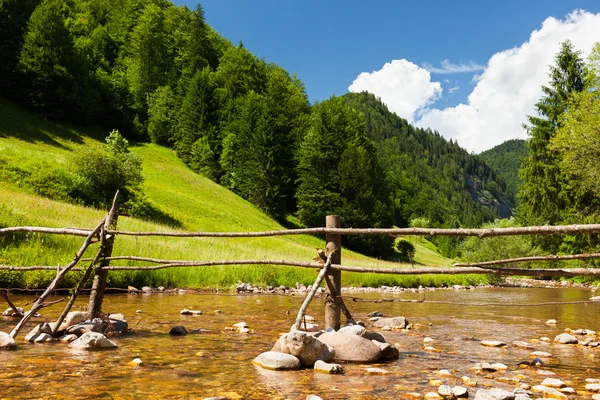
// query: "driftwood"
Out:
[529,259]
[16,311]
[311,294]
[76,292]
[491,232]
[39,303]
[100,273]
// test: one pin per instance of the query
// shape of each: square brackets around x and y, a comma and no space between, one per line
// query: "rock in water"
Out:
[93,341]
[322,366]
[565,338]
[74,318]
[118,323]
[349,347]
[388,352]
[494,394]
[354,329]
[6,342]
[306,348]
[394,323]
[493,343]
[277,361]
[178,331]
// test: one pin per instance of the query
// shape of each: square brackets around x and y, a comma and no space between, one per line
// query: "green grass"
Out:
[28,142]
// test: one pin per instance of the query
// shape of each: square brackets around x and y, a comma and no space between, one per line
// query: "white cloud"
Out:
[450,68]
[506,91]
[406,88]
[454,89]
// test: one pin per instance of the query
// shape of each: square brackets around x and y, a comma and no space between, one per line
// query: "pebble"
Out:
[592,380]
[545,339]
[444,373]
[596,397]
[592,387]
[549,392]
[430,348]
[541,354]
[499,367]
[136,362]
[138,311]
[522,345]
[432,396]
[376,371]
[551,322]
[565,338]
[435,382]
[545,372]
[446,392]
[313,397]
[460,391]
[428,340]
[412,395]
[492,343]
[568,390]
[554,383]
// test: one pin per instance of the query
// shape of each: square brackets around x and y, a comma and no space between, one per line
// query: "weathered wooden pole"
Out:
[333,302]
[101,274]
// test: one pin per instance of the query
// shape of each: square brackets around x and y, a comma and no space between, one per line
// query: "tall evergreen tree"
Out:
[545,194]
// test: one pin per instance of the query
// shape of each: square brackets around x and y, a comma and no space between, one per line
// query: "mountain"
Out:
[506,159]
[429,176]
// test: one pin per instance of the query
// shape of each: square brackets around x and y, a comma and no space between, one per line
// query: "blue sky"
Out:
[330,43]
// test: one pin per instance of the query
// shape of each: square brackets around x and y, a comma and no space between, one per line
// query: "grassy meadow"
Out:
[29,144]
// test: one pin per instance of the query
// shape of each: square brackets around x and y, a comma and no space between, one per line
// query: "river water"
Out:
[219,362]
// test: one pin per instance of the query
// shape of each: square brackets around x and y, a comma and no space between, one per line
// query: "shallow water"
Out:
[219,363]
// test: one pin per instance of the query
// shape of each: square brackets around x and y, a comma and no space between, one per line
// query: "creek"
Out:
[219,362]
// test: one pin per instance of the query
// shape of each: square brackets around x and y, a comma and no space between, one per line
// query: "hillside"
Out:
[430,176]
[29,144]
[506,159]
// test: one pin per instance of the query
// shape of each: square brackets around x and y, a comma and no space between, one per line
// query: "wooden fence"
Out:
[330,260]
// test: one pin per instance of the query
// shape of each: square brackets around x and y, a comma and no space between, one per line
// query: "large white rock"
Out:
[277,361]
[353,329]
[74,318]
[349,347]
[93,341]
[6,342]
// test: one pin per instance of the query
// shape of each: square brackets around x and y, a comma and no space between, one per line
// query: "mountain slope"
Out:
[506,159]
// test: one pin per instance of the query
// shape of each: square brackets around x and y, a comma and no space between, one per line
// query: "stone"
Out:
[388,352]
[9,312]
[138,311]
[545,339]
[553,383]
[136,362]
[483,367]
[435,382]
[541,354]
[431,348]
[43,328]
[520,396]
[522,345]
[412,396]
[178,331]
[68,338]
[446,392]
[375,336]
[596,397]
[544,372]
[147,289]
[567,390]
[499,367]
[277,361]
[494,394]
[308,327]
[460,391]
[444,373]
[551,322]
[393,323]
[492,343]
[74,318]
[313,397]
[549,392]
[92,341]
[6,342]
[350,347]
[432,396]
[592,380]
[565,338]
[307,348]
[87,326]
[118,324]
[592,387]
[354,330]
[240,325]
[375,314]
[428,340]
[39,337]
[376,371]
[322,366]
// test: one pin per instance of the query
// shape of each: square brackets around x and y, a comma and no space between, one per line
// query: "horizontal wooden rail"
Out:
[529,259]
[491,232]
[375,270]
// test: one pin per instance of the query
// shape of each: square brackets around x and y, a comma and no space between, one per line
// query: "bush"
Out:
[406,250]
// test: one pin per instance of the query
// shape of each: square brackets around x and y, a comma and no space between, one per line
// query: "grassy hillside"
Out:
[28,145]
[506,160]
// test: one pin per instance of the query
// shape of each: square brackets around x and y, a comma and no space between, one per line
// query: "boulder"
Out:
[74,318]
[494,394]
[39,337]
[93,341]
[350,347]
[565,338]
[322,366]
[277,361]
[394,323]
[118,323]
[388,352]
[178,331]
[306,348]
[6,342]
[9,312]
[95,325]
[354,330]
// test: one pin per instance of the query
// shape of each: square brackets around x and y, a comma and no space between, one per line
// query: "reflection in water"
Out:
[219,362]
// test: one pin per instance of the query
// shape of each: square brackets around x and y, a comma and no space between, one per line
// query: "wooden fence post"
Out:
[333,278]
[100,274]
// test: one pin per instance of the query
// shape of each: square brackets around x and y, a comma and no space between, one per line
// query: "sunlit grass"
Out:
[196,202]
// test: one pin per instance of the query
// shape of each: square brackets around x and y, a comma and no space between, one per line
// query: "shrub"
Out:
[406,250]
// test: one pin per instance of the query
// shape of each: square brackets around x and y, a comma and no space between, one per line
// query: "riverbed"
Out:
[218,362]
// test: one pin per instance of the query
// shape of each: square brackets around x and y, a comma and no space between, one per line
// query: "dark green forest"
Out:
[158,72]
[506,159]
